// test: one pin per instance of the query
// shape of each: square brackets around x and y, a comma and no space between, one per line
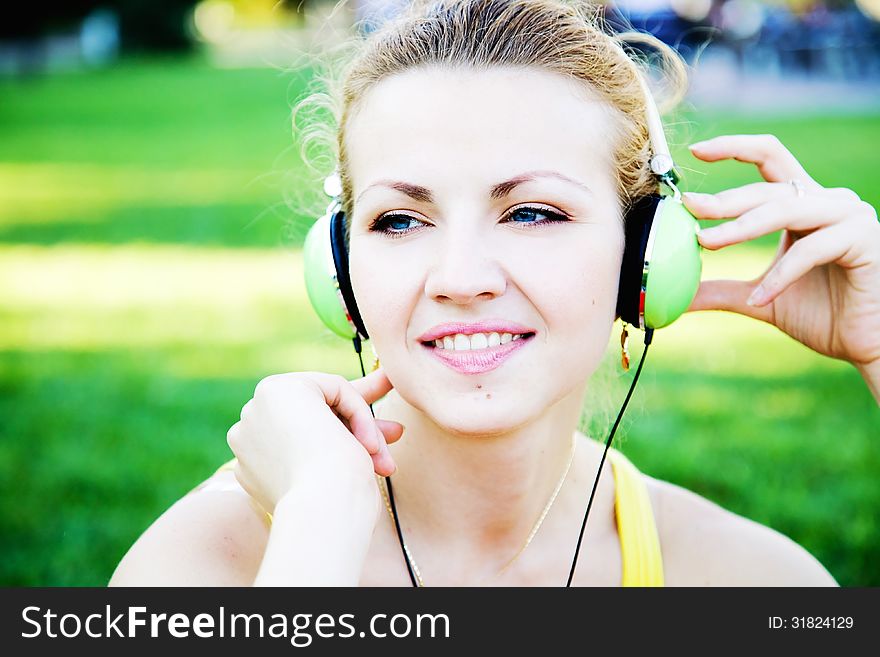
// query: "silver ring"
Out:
[798,187]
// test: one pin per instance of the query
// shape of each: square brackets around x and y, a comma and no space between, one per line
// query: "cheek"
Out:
[383,290]
[575,283]
[576,295]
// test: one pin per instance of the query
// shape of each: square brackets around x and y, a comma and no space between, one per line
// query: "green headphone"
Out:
[659,274]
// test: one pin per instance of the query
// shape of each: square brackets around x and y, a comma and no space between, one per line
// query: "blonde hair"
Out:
[567,37]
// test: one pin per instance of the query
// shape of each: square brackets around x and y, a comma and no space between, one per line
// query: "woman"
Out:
[487,152]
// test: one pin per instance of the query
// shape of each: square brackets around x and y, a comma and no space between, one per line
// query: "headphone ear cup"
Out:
[637,229]
[325,267]
[661,266]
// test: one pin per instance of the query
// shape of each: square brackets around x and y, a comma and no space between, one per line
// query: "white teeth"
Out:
[461,342]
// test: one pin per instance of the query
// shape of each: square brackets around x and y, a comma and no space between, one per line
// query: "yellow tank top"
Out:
[639,541]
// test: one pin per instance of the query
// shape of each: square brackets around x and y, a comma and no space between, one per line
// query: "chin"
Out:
[475,415]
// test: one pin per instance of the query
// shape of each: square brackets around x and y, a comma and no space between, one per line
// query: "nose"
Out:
[465,269]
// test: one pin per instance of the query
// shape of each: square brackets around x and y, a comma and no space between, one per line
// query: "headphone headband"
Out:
[661,163]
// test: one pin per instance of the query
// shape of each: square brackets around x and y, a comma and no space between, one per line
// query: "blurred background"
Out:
[151,218]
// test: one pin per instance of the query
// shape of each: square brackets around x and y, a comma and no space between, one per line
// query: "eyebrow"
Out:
[498,191]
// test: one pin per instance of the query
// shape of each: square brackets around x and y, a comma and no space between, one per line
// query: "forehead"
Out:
[477,125]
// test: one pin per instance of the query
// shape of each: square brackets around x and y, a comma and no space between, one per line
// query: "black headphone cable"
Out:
[649,334]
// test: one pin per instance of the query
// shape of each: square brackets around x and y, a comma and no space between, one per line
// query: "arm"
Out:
[756,555]
[321,532]
[706,545]
[210,537]
[218,536]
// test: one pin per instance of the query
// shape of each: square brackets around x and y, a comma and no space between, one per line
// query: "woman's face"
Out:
[485,196]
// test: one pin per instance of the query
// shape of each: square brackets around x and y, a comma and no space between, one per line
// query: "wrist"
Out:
[332,484]
[337,492]
[871,374]
[321,532]
[334,472]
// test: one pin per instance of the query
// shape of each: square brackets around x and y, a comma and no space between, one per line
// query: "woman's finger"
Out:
[391,430]
[350,401]
[373,386]
[730,295]
[732,203]
[351,407]
[773,159]
[383,462]
[799,215]
[821,247]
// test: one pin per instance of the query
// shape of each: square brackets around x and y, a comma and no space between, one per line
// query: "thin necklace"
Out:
[412,562]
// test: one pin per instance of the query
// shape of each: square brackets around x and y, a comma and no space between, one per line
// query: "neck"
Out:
[467,503]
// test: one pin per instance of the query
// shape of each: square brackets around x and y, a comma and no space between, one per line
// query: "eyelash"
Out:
[380,224]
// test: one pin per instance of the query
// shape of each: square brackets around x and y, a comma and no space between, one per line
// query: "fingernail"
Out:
[756,298]
[698,196]
[712,231]
[698,144]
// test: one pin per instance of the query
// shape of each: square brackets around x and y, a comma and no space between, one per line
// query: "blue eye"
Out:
[394,225]
[398,225]
[530,216]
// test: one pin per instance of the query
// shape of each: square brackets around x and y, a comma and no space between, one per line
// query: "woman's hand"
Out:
[308,420]
[823,286]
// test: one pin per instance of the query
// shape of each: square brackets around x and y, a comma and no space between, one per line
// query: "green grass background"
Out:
[150,276]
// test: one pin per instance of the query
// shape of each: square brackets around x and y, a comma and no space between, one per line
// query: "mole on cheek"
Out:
[479,386]
[488,395]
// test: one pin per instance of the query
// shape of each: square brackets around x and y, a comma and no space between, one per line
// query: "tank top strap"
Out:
[639,541]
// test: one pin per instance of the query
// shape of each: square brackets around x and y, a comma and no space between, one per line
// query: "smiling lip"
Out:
[485,326]
[477,361]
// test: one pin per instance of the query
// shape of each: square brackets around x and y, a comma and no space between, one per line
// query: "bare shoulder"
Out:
[213,536]
[703,544]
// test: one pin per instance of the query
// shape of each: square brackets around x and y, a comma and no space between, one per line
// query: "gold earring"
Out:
[624,349]
[375,358]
